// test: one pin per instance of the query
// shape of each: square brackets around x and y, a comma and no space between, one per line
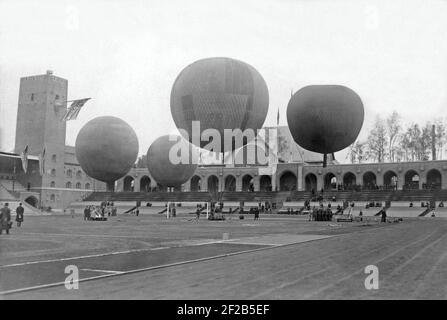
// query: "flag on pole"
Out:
[73,110]
[42,162]
[24,157]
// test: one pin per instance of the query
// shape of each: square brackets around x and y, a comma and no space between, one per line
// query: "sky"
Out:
[127,54]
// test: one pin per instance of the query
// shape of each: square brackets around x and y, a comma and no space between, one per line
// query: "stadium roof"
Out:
[10,160]
[15,155]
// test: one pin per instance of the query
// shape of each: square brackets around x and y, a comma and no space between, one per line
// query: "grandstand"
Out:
[281,196]
[399,203]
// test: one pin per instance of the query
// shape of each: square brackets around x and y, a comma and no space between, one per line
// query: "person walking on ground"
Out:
[383,215]
[256,213]
[197,214]
[137,212]
[19,215]
[5,219]
[86,213]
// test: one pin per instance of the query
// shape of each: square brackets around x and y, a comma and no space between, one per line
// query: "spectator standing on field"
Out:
[19,215]
[5,219]
[383,215]
[256,213]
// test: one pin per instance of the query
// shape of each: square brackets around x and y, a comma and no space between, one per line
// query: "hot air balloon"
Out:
[106,148]
[221,93]
[325,118]
[172,160]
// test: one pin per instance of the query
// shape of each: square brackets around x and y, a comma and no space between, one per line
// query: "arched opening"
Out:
[213,184]
[68,185]
[390,180]
[247,183]
[349,180]
[128,184]
[87,186]
[78,185]
[230,183]
[434,179]
[145,184]
[195,183]
[52,184]
[310,182]
[330,181]
[31,200]
[265,183]
[411,180]
[369,181]
[287,181]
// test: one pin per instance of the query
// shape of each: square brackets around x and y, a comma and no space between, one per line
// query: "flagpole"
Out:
[72,100]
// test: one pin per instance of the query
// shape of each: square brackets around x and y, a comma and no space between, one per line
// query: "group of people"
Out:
[255,212]
[5,217]
[216,210]
[321,213]
[100,212]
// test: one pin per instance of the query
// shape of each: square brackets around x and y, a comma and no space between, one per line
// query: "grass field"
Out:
[277,257]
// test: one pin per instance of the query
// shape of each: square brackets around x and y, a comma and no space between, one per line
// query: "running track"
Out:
[411,257]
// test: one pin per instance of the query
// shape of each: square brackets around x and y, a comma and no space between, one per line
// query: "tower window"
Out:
[69,173]
[78,185]
[87,185]
[53,158]
[53,172]
[52,184]
[68,185]
[79,174]
[53,197]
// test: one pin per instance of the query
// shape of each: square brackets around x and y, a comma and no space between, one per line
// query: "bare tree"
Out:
[393,129]
[377,141]
[413,134]
[357,152]
[389,140]
[440,135]
[405,146]
[425,142]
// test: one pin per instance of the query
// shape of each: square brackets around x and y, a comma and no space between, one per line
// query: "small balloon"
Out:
[172,160]
[106,148]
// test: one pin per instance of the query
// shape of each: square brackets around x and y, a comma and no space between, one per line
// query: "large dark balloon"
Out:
[172,162]
[325,118]
[106,148]
[221,93]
